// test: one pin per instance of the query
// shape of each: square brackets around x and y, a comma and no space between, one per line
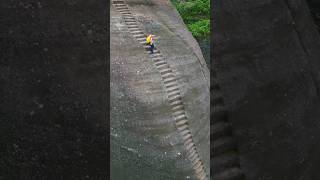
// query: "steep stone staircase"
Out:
[170,85]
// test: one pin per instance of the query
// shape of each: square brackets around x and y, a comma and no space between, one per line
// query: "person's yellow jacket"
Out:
[149,39]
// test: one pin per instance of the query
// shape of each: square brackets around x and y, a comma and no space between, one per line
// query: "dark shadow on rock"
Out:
[53,90]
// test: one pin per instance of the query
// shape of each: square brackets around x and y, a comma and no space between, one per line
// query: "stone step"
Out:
[136,32]
[122,8]
[178,108]
[163,66]
[170,80]
[156,51]
[169,85]
[173,97]
[120,5]
[132,26]
[176,98]
[175,103]
[126,13]
[129,20]
[185,132]
[159,63]
[134,29]
[138,35]
[203,176]
[184,129]
[126,18]
[182,122]
[156,54]
[180,117]
[157,59]
[172,90]
[142,39]
[165,71]
[186,137]
[117,2]
[168,76]
[178,113]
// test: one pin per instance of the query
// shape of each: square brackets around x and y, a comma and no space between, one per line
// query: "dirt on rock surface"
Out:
[53,90]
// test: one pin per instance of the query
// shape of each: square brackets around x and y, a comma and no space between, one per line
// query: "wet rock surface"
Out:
[53,90]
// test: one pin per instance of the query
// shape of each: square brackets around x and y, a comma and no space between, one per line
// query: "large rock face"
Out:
[267,63]
[53,90]
[150,93]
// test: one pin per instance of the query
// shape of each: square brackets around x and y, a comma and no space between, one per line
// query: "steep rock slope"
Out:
[160,102]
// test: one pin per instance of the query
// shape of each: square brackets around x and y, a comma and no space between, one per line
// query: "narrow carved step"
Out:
[117,2]
[136,32]
[159,63]
[134,29]
[133,26]
[168,76]
[138,35]
[120,5]
[158,59]
[129,20]
[169,85]
[172,89]
[132,23]
[122,8]
[174,103]
[170,80]
[163,66]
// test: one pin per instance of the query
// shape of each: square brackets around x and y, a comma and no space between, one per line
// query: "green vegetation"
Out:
[196,15]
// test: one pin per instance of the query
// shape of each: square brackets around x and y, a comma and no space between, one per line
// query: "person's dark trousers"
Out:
[151,48]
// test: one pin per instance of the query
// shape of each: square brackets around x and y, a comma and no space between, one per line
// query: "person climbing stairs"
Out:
[150,42]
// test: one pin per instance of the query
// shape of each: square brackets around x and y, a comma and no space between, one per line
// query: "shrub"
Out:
[196,15]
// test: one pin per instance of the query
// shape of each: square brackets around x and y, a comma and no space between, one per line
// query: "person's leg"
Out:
[152,46]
